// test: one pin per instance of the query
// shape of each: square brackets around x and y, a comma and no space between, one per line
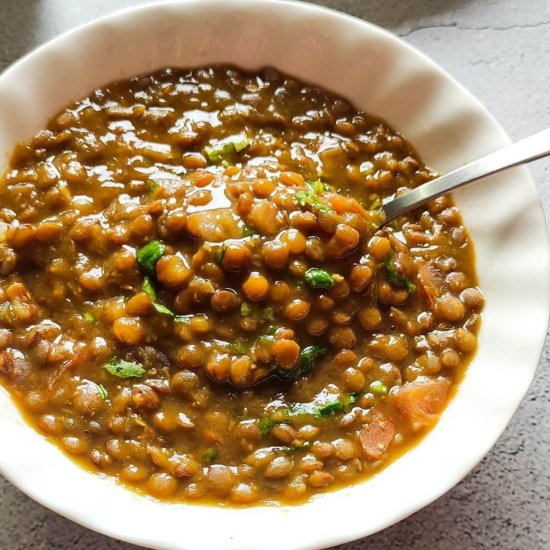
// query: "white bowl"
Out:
[383,76]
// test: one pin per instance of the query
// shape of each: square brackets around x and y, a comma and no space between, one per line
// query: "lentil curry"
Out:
[194,298]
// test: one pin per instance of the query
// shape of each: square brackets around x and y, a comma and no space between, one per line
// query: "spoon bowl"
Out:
[526,150]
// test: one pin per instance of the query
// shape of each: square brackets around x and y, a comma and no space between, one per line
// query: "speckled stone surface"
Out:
[500,50]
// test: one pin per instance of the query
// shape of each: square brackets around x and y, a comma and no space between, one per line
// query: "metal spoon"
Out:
[526,150]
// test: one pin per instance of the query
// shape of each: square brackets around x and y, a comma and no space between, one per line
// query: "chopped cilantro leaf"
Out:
[302,197]
[124,369]
[102,391]
[307,198]
[378,387]
[248,231]
[394,224]
[149,255]
[303,408]
[6,313]
[224,149]
[267,339]
[312,197]
[267,314]
[318,278]
[220,253]
[240,346]
[309,356]
[246,309]
[272,330]
[352,398]
[241,142]
[292,448]
[265,425]
[149,289]
[318,187]
[330,409]
[153,186]
[163,310]
[210,455]
[89,316]
[375,204]
[393,275]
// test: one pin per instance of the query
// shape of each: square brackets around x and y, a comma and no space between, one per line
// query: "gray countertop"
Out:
[500,50]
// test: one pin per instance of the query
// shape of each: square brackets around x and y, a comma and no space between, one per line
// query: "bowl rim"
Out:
[88,521]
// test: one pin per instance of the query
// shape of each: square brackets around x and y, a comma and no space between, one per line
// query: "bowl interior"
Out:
[385,77]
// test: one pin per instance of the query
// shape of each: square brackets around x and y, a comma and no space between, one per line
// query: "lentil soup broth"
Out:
[194,298]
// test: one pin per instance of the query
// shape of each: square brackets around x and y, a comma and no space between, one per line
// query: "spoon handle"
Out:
[525,150]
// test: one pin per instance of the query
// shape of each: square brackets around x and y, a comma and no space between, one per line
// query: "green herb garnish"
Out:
[254,311]
[307,198]
[318,278]
[378,387]
[318,187]
[268,337]
[309,356]
[153,186]
[292,448]
[220,253]
[312,197]
[102,391]
[265,425]
[352,398]
[332,408]
[124,369]
[328,409]
[394,224]
[267,314]
[149,255]
[248,231]
[240,346]
[393,275]
[163,310]
[210,455]
[246,309]
[303,408]
[149,289]
[6,314]
[375,204]
[224,149]
[90,317]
